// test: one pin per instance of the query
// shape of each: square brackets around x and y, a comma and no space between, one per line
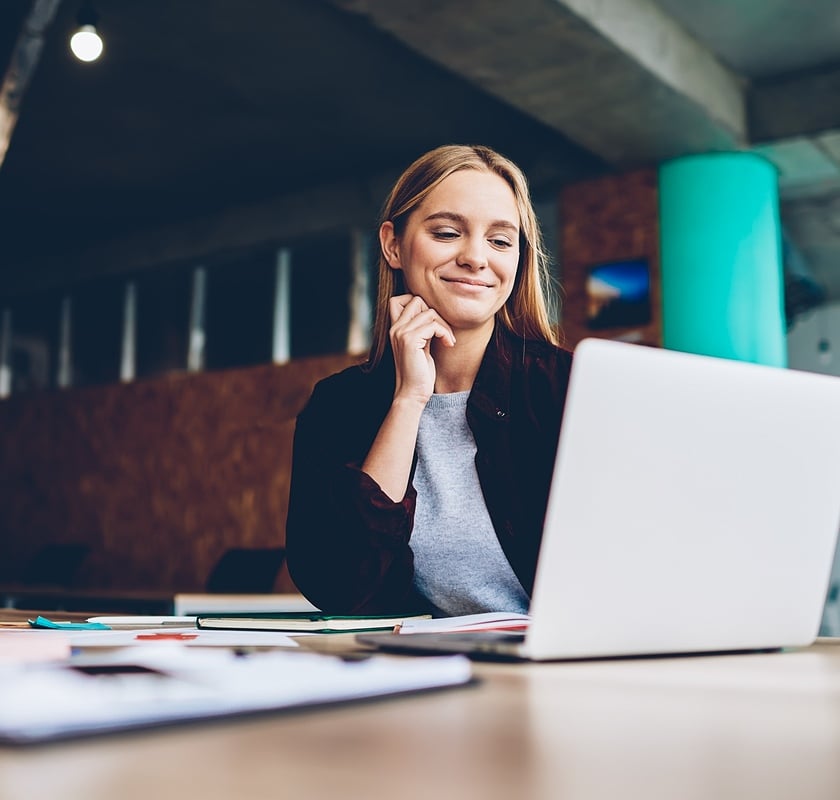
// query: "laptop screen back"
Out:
[694,506]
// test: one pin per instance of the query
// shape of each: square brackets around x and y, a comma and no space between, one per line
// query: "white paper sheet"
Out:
[174,636]
[141,687]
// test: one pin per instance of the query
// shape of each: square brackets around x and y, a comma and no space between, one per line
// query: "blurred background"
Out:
[187,224]
[215,132]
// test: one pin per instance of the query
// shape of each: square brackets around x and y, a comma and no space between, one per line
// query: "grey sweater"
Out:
[459,564]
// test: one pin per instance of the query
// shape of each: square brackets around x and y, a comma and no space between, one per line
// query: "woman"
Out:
[420,479]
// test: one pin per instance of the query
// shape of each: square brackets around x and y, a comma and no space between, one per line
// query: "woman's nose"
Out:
[472,254]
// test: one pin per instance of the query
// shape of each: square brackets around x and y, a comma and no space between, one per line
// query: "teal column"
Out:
[720,254]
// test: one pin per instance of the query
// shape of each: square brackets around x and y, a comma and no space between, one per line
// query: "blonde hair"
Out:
[526,311]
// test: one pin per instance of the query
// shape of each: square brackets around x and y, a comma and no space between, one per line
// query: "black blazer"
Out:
[348,544]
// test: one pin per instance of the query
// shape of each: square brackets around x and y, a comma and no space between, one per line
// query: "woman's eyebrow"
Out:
[462,220]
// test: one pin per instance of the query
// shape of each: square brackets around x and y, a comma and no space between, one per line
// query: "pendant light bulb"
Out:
[86,43]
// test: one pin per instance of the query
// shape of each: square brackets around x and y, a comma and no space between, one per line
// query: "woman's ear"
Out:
[389,244]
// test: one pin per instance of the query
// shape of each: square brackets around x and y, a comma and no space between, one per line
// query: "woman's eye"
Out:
[501,243]
[446,235]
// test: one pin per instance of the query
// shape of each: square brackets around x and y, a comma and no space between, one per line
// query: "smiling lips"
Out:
[468,282]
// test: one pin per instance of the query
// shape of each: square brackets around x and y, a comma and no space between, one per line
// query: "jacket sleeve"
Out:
[346,540]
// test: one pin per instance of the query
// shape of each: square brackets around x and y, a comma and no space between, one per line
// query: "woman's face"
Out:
[460,248]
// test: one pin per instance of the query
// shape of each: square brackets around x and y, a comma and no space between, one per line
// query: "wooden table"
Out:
[741,726]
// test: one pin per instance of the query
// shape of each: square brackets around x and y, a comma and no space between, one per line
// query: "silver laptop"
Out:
[694,508]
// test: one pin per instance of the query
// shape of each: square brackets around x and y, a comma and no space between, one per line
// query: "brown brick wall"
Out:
[159,477]
[603,220]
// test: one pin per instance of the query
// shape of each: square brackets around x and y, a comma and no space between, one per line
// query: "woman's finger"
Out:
[428,324]
[418,337]
[409,304]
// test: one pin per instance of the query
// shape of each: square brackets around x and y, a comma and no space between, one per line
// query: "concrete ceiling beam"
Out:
[268,223]
[795,105]
[618,77]
[25,56]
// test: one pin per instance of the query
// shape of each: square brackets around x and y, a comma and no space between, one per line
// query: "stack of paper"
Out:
[488,621]
[163,685]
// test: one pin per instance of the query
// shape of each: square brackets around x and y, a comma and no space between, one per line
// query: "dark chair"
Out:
[55,564]
[246,571]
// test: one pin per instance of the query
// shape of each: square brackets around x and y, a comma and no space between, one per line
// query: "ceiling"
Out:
[202,107]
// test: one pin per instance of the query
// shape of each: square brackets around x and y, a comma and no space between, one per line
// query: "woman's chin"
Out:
[466,324]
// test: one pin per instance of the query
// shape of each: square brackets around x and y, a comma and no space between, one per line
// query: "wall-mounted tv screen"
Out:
[618,294]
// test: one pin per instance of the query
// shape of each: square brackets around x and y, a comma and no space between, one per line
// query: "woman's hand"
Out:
[413,326]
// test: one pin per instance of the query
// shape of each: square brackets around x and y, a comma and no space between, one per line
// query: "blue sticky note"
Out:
[43,622]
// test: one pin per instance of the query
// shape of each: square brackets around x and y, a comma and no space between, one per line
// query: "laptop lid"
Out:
[694,506]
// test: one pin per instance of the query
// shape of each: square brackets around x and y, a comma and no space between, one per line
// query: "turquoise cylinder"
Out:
[721,257]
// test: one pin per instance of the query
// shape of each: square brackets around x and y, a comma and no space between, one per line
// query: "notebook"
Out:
[302,621]
[694,508]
